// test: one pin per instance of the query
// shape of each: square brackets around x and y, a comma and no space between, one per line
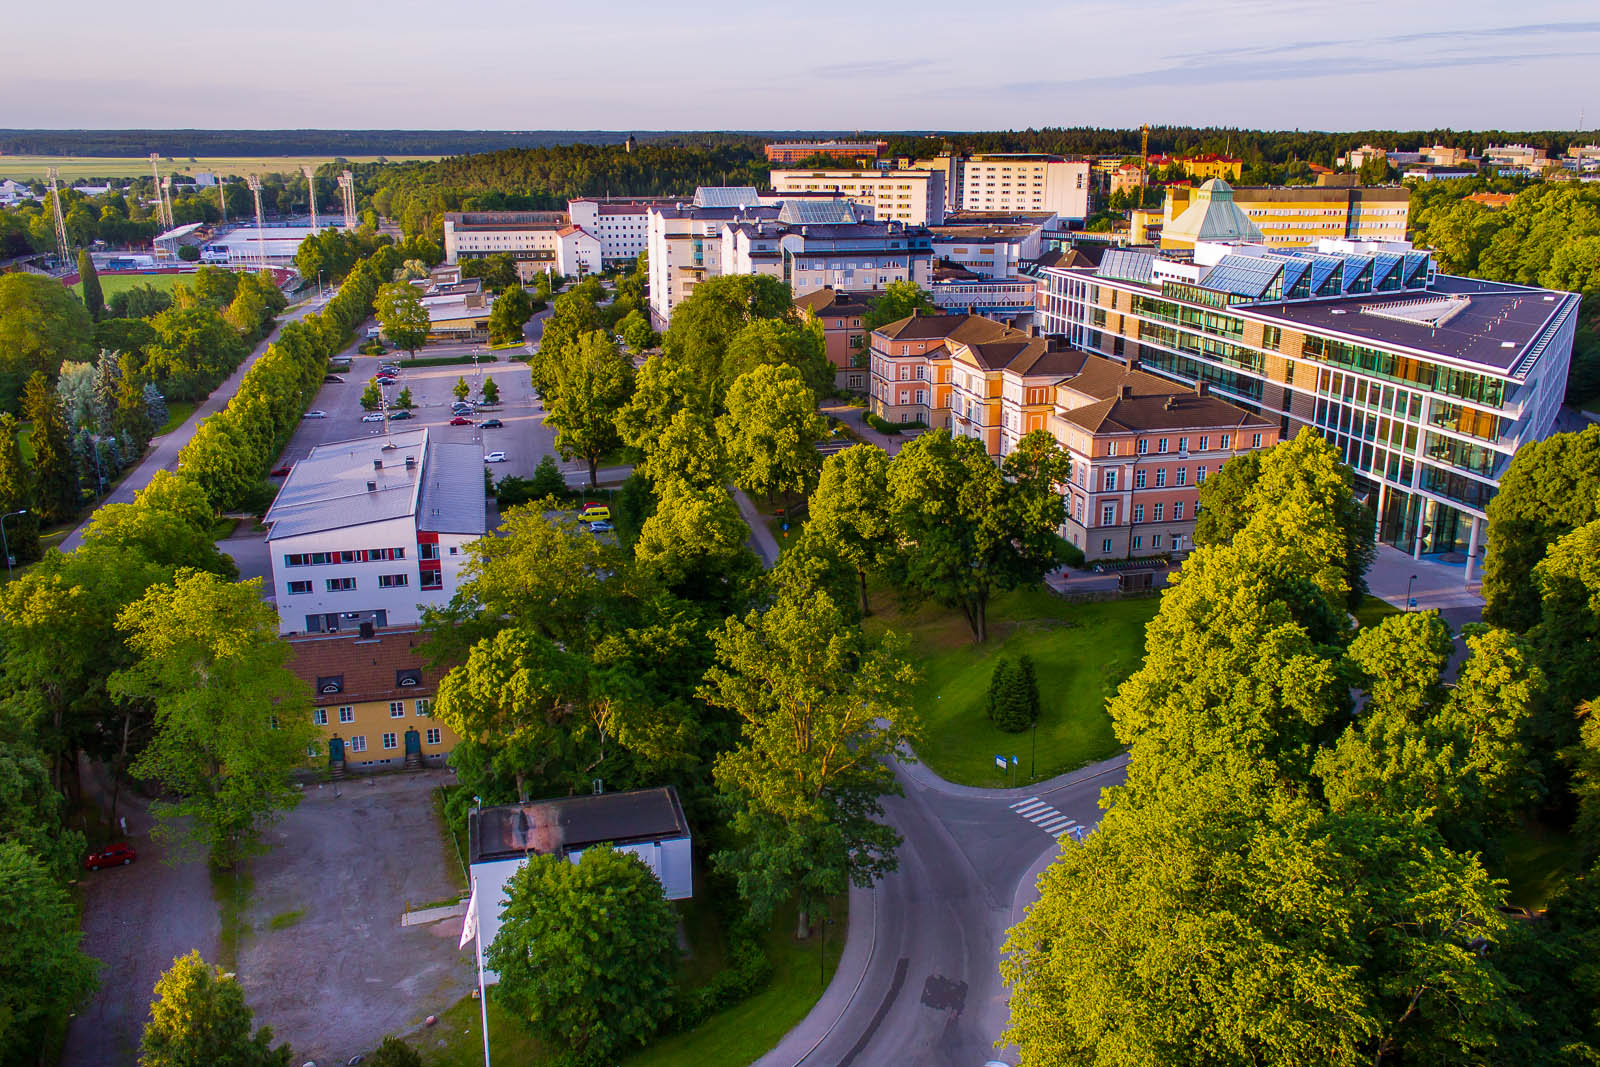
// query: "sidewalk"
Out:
[761,540]
[1438,585]
[856,419]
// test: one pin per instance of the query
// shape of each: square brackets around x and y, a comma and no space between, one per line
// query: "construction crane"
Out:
[254,182]
[62,250]
[311,185]
[163,209]
[347,191]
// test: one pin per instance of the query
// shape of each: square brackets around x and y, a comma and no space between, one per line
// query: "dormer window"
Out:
[333,683]
[406,679]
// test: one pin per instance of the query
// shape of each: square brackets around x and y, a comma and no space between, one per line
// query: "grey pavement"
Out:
[136,920]
[340,971]
[918,981]
[855,418]
[762,543]
[163,454]
[1438,584]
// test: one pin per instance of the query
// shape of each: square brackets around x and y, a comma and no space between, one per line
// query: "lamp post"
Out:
[5,545]
[1408,592]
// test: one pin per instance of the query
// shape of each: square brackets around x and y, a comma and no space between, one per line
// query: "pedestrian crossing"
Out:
[1049,819]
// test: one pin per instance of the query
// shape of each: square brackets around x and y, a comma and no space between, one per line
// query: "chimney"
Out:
[372,487]
[1033,330]
[1126,392]
[1170,403]
[411,463]
[1202,388]
[377,464]
[366,631]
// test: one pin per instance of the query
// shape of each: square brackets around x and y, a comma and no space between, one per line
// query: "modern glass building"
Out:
[1427,383]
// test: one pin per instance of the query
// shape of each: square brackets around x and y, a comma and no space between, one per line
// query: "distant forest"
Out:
[1263,146]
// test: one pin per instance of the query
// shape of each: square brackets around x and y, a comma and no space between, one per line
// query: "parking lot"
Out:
[326,963]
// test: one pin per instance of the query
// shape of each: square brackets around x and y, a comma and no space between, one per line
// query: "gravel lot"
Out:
[327,964]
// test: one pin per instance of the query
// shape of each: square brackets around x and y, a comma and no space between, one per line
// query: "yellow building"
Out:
[1293,215]
[1213,166]
[372,694]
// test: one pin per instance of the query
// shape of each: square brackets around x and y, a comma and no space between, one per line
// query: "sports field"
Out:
[76,168]
[112,284]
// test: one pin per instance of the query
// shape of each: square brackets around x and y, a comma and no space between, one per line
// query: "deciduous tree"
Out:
[587,952]
[771,430]
[696,544]
[821,707]
[850,510]
[898,300]
[401,314]
[44,974]
[42,325]
[231,721]
[510,313]
[16,494]
[592,386]
[199,1017]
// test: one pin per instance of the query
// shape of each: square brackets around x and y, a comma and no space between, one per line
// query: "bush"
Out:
[395,1053]
[881,425]
[548,479]
[1013,702]
[189,253]
[1069,554]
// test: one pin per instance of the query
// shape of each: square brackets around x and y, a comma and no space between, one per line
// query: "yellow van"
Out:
[595,512]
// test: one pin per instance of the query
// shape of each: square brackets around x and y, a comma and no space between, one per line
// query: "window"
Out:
[397,709]
[1111,481]
[1200,475]
[1138,513]
[1158,512]
[347,713]
[427,551]
[1078,511]
[1108,515]
[1226,439]
[432,579]
[392,581]
[434,736]
[1183,444]
[1177,511]
[390,741]
[1138,542]
[1155,540]
[1105,546]
[313,751]
[358,743]
[1161,477]
[1161,445]
[1111,448]
[1255,442]
[1205,442]
[1144,445]
[425,707]
[341,585]
[1180,476]
[1138,479]
[319,716]
[299,587]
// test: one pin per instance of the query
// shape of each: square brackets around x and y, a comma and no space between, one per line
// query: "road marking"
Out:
[1044,816]
[1055,825]
[1025,806]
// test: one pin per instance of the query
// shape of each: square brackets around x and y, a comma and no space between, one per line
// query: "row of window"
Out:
[358,743]
[346,585]
[361,555]
[397,710]
[1142,447]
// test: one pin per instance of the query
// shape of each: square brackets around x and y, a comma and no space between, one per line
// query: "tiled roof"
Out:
[364,669]
[830,301]
[1135,401]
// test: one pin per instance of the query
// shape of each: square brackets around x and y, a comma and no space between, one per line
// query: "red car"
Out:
[118,855]
[460,420]
[281,472]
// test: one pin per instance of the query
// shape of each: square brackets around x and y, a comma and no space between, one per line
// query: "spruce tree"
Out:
[54,465]
[93,298]
[16,494]
[107,378]
[1028,685]
[155,406]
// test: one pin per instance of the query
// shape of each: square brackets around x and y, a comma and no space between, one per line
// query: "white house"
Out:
[373,530]
[646,823]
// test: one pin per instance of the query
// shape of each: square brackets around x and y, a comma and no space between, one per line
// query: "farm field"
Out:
[77,168]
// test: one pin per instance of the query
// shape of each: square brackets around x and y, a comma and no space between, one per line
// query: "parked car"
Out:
[491,424]
[281,472]
[316,413]
[595,513]
[332,379]
[372,416]
[389,368]
[118,855]
[395,416]
[384,379]
[495,457]
[460,421]
[600,526]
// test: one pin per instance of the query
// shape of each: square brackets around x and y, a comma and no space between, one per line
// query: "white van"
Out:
[374,331]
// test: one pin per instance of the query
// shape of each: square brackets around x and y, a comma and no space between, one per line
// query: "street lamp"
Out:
[5,545]
[1408,592]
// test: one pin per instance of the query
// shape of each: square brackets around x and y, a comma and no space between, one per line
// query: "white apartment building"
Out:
[848,256]
[989,250]
[1026,182]
[914,197]
[373,530]
[536,240]
[621,225]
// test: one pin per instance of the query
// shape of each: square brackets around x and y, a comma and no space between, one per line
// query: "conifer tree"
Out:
[16,494]
[93,298]
[54,466]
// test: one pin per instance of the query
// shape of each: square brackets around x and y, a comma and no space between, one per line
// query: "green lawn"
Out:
[1081,653]
[112,284]
[1373,611]
[732,1038]
[178,412]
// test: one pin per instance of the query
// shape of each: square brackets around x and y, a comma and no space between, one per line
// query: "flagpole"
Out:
[483,999]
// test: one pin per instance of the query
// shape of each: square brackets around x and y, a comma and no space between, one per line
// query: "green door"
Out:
[335,750]
[413,742]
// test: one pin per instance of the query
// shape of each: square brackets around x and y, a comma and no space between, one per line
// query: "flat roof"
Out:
[568,824]
[1494,326]
[328,490]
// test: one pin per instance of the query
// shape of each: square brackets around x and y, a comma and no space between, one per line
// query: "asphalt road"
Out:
[930,933]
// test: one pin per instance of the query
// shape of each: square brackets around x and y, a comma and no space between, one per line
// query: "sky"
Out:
[870,65]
